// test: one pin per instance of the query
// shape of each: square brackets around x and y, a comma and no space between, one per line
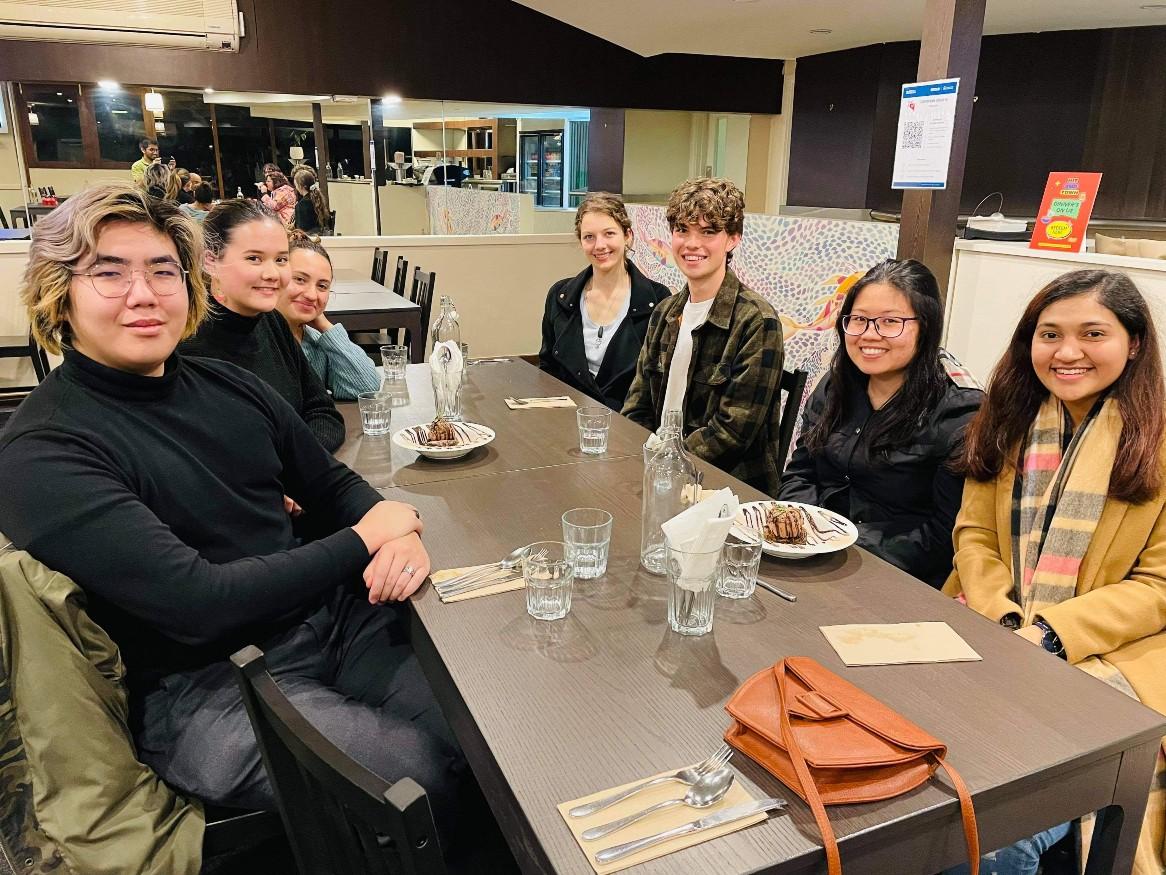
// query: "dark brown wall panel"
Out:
[833,120]
[605,150]
[1036,112]
[420,50]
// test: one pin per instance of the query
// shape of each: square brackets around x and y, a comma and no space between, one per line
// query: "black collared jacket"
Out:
[562,354]
[902,500]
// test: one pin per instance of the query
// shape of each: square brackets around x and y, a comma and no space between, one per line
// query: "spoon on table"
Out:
[508,563]
[708,790]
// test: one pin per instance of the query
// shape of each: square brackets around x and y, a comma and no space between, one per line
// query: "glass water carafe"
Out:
[670,478]
[447,325]
[447,379]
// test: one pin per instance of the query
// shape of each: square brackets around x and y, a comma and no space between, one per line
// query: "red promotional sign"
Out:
[1064,212]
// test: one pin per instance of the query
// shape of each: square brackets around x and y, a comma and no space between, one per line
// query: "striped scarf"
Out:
[1057,502]
[1057,499]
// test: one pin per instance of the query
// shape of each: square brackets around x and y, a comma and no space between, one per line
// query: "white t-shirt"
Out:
[597,337]
[692,317]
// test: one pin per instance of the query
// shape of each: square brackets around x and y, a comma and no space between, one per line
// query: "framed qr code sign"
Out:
[923,142]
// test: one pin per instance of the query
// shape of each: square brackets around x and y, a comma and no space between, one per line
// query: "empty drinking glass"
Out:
[375,411]
[587,533]
[740,562]
[594,424]
[394,357]
[548,579]
[692,589]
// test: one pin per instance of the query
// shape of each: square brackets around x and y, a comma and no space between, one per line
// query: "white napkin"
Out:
[445,364]
[702,529]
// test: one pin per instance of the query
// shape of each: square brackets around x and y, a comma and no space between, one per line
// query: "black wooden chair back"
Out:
[401,276]
[380,265]
[422,294]
[339,817]
[4,221]
[793,383]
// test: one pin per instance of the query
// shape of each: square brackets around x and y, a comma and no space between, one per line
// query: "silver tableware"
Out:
[689,775]
[709,789]
[748,809]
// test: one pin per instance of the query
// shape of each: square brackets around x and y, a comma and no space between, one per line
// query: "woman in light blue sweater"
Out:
[344,367]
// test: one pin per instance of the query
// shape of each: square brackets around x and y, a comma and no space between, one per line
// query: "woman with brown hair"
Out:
[278,196]
[594,323]
[1062,533]
[311,215]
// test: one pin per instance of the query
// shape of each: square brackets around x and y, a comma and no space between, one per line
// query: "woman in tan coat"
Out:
[1062,532]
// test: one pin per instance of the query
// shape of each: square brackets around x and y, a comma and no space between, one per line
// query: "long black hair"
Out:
[925,382]
[220,223]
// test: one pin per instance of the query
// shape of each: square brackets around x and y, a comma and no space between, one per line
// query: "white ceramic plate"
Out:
[829,533]
[472,434]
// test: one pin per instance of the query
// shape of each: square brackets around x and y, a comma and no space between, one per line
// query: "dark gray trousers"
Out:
[349,670]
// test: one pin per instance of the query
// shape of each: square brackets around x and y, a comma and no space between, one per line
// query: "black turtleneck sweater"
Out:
[265,346]
[162,498]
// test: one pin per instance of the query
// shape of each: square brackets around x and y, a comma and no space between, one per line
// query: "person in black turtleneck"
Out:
[247,260]
[156,482]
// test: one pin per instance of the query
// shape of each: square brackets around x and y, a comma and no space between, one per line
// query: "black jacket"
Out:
[562,354]
[903,501]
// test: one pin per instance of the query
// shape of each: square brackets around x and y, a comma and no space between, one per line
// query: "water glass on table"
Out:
[740,562]
[692,589]
[594,425]
[587,533]
[394,357]
[548,573]
[375,412]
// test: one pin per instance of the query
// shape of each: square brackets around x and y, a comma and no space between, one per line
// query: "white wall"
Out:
[11,192]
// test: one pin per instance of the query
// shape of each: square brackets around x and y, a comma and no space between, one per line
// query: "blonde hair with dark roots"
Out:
[716,200]
[68,235]
[608,205]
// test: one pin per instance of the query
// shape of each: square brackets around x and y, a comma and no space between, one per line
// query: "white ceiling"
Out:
[781,28]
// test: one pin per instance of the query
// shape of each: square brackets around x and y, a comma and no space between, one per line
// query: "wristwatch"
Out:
[1050,641]
[1011,621]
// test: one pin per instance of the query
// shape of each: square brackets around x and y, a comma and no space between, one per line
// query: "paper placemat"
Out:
[505,584]
[653,823]
[538,403]
[898,643]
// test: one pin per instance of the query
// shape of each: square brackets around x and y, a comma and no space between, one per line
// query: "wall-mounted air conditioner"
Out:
[185,24]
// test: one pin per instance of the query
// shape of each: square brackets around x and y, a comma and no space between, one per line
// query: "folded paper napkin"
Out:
[509,583]
[653,823]
[445,367]
[898,643]
[532,403]
[701,529]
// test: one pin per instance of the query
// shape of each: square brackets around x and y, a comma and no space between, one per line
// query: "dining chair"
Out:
[19,214]
[229,830]
[380,264]
[400,278]
[339,817]
[422,294]
[30,350]
[793,384]
[4,222]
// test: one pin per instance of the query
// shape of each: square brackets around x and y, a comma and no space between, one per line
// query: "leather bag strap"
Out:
[809,788]
[967,814]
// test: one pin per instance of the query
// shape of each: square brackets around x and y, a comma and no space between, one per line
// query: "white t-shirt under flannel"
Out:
[692,317]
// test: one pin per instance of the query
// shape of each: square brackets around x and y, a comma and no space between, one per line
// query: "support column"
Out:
[952,30]
[322,159]
[605,135]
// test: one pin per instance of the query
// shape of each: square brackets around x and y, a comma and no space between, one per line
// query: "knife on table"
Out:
[748,809]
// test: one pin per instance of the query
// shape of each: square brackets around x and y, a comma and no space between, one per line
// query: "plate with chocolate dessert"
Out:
[792,530]
[443,440]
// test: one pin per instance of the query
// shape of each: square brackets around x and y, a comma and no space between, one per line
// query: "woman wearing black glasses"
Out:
[881,429]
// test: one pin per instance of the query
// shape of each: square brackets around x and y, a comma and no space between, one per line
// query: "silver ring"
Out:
[409,569]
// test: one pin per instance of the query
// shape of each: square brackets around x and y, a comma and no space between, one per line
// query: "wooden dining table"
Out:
[550,711]
[364,305]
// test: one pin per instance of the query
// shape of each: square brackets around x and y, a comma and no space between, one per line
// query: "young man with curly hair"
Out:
[714,350]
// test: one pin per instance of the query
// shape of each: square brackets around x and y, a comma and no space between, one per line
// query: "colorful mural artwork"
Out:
[469,211]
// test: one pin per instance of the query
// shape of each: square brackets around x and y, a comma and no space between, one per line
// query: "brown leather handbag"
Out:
[833,744]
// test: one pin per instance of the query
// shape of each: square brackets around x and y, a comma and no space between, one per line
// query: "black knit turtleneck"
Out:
[162,497]
[265,346]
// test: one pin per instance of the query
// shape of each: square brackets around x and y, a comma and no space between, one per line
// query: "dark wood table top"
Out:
[525,438]
[551,711]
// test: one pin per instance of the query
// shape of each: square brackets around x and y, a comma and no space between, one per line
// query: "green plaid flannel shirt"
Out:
[732,405]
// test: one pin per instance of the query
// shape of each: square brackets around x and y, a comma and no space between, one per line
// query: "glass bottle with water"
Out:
[670,478]
[446,329]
